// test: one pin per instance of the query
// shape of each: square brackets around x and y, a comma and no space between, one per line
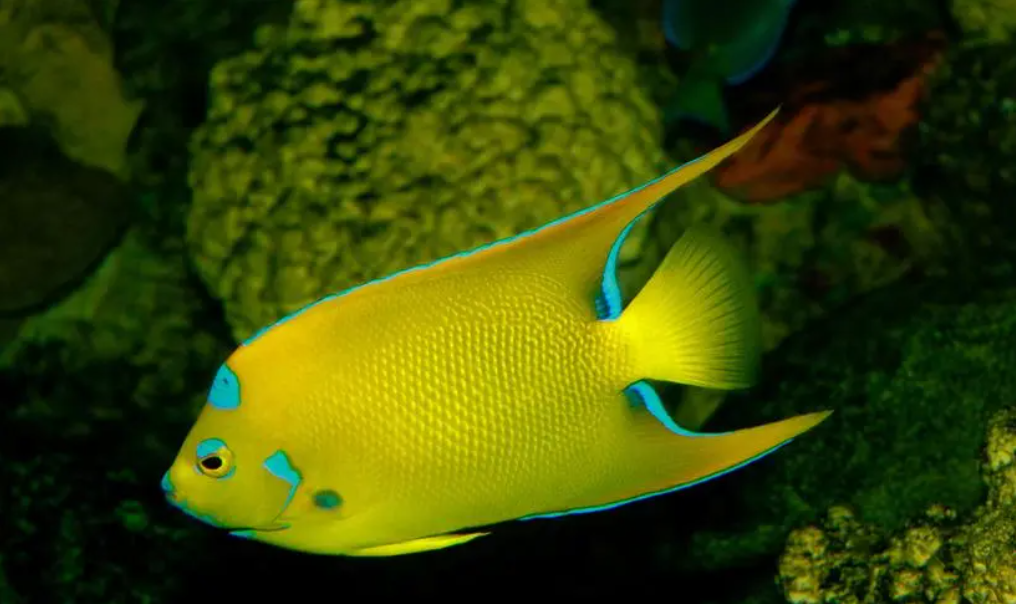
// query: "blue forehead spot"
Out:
[209,446]
[327,499]
[281,467]
[225,392]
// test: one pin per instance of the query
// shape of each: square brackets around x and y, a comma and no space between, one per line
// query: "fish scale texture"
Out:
[461,394]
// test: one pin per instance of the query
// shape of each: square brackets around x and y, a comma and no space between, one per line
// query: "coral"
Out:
[965,156]
[830,121]
[58,61]
[992,21]
[366,137]
[937,559]
[913,373]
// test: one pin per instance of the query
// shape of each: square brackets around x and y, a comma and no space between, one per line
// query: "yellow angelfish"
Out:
[502,383]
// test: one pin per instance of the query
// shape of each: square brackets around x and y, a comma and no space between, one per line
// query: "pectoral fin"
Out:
[417,545]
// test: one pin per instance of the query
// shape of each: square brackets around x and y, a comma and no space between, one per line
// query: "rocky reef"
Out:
[283,153]
[940,558]
[438,125]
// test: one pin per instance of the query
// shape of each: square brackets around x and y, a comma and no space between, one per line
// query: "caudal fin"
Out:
[676,461]
[696,321]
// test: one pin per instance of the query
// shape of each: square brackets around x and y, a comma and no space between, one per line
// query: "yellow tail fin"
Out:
[677,461]
[663,459]
[696,321]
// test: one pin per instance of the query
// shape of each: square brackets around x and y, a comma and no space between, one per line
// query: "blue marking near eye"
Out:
[647,395]
[327,499]
[209,446]
[281,467]
[225,392]
[260,332]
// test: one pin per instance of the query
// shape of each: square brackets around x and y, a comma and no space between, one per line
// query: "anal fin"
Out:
[417,545]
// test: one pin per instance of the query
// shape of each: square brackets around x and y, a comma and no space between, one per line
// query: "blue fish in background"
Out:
[728,42]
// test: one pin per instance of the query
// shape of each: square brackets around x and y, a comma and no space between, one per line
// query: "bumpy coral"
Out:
[935,560]
[966,153]
[989,20]
[913,372]
[368,136]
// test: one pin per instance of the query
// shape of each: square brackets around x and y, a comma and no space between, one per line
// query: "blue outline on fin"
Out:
[642,392]
[225,391]
[279,465]
[609,303]
[478,249]
[647,395]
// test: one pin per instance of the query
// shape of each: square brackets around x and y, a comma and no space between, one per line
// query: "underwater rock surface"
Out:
[965,155]
[938,558]
[913,372]
[55,56]
[364,139]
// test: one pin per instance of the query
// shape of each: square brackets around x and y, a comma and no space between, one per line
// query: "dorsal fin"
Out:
[579,249]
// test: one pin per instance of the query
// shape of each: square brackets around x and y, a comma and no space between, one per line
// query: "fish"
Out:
[505,383]
[728,42]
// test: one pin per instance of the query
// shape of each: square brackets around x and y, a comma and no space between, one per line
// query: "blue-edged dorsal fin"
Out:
[579,250]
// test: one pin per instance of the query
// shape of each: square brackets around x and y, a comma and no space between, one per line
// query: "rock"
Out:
[359,140]
[939,558]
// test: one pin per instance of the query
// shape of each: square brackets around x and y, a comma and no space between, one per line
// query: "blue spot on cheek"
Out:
[225,392]
[280,466]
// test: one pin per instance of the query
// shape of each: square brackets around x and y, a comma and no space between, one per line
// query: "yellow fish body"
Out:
[503,383]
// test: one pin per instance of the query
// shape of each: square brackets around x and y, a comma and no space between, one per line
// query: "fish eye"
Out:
[215,460]
[212,463]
